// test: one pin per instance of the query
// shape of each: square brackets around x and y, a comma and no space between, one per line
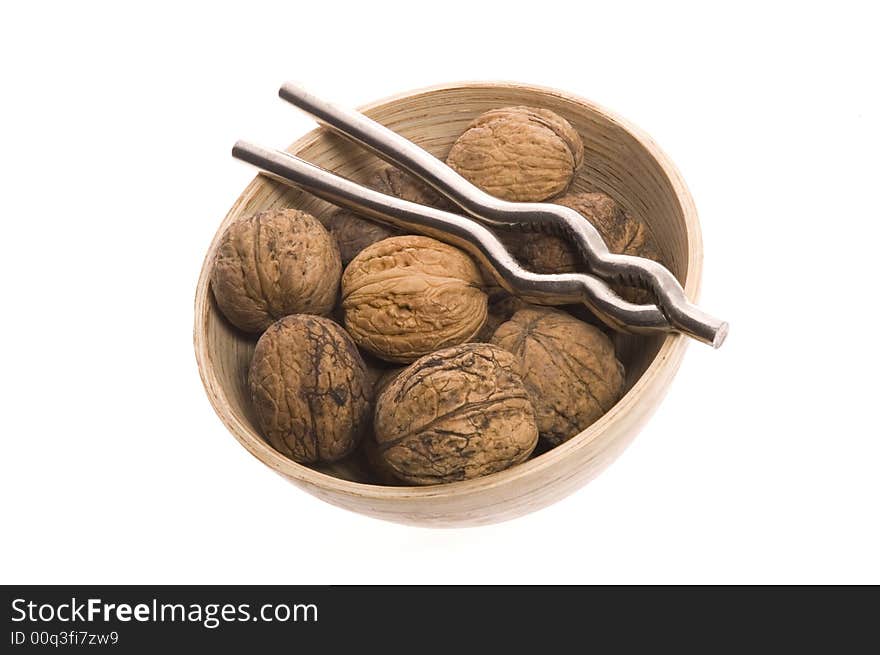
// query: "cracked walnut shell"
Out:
[408,296]
[275,263]
[310,389]
[521,154]
[456,414]
[569,368]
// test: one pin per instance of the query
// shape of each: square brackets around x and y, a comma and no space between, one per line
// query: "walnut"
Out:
[547,253]
[272,264]
[456,414]
[500,310]
[374,366]
[623,234]
[377,469]
[310,389]
[568,366]
[365,465]
[385,378]
[408,296]
[353,233]
[519,153]
[394,182]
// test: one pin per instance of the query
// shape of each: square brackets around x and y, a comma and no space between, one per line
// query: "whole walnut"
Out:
[408,296]
[272,264]
[353,232]
[310,389]
[623,233]
[568,366]
[519,153]
[456,414]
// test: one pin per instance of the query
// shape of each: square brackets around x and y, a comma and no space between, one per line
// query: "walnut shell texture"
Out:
[408,296]
[378,470]
[354,233]
[310,389]
[394,182]
[569,368]
[272,264]
[456,414]
[623,234]
[547,253]
[519,153]
[501,309]
[385,378]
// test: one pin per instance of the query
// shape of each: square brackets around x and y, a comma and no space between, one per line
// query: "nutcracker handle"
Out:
[462,232]
[502,214]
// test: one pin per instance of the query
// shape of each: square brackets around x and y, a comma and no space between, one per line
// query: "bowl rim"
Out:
[669,354]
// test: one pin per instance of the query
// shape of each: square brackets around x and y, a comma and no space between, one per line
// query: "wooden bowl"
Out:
[620,160]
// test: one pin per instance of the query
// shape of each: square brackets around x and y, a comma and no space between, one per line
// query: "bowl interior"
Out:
[616,162]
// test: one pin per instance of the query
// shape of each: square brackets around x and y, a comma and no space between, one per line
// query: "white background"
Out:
[762,464]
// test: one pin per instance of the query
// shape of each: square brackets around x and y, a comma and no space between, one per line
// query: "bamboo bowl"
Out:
[620,160]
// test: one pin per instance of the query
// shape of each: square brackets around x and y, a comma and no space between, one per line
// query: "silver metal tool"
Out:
[675,312]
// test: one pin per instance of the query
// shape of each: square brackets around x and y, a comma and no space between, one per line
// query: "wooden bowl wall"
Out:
[620,160]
